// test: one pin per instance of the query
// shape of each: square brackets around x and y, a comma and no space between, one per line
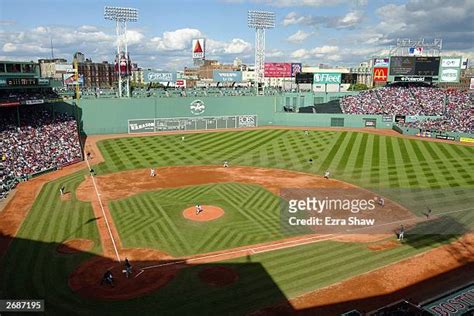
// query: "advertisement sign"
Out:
[380,74]
[199,48]
[141,126]
[295,69]
[70,79]
[63,67]
[123,64]
[226,76]
[381,62]
[327,78]
[467,139]
[277,70]
[413,79]
[247,121]
[451,62]
[158,76]
[449,75]
[181,83]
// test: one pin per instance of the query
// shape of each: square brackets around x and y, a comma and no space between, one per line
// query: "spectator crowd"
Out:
[41,142]
[452,109]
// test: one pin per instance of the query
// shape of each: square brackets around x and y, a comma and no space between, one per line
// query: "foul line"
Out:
[103,212]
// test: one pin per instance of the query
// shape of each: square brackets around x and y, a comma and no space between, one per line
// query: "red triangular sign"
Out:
[197,48]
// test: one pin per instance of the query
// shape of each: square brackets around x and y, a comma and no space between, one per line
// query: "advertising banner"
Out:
[327,78]
[181,83]
[69,79]
[380,74]
[277,70]
[415,51]
[449,75]
[226,76]
[451,62]
[158,76]
[295,69]
[381,62]
[199,48]
[141,126]
[413,79]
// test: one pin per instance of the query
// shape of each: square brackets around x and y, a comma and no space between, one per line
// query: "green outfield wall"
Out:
[108,116]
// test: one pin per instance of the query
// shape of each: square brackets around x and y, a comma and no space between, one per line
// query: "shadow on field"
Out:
[34,269]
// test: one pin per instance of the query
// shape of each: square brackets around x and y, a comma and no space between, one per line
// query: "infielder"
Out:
[226,164]
[326,174]
[152,172]
[128,268]
[401,233]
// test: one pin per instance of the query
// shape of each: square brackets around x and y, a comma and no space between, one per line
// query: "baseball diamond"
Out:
[331,175]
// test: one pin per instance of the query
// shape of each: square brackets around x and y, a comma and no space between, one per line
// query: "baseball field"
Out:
[237,261]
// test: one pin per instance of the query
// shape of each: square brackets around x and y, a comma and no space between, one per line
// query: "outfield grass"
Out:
[32,268]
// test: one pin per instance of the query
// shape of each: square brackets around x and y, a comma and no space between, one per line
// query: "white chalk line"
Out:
[103,212]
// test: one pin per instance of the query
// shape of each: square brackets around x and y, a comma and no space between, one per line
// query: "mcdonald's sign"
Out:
[380,74]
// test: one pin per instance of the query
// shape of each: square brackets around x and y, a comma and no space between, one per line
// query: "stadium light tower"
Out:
[260,21]
[121,16]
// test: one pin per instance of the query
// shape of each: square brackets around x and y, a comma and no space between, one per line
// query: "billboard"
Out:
[413,79]
[123,64]
[450,68]
[380,74]
[450,62]
[226,76]
[427,66]
[402,66]
[69,79]
[158,76]
[327,78]
[277,70]
[381,62]
[304,77]
[199,48]
[295,68]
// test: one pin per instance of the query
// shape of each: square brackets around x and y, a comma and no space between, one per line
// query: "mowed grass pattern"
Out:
[33,269]
[155,220]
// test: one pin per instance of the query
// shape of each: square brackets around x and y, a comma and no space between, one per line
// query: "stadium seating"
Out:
[42,142]
[451,110]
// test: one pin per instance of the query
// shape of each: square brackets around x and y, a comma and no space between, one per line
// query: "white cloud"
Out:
[348,21]
[325,52]
[175,40]
[293,18]
[298,37]
[300,53]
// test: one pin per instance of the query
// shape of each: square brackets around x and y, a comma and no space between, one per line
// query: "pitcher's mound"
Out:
[209,213]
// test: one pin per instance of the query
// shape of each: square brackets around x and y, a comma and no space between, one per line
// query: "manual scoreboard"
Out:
[190,123]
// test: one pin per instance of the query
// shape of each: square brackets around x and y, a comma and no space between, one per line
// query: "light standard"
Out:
[260,20]
[121,16]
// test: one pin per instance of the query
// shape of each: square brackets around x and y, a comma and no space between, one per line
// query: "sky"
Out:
[334,32]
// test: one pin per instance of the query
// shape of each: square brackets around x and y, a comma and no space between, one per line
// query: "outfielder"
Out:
[401,233]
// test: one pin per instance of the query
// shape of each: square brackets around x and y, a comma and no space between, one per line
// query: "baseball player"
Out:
[62,190]
[381,202]
[326,174]
[429,213]
[107,279]
[128,268]
[226,164]
[152,172]
[182,138]
[310,160]
[306,132]
[401,233]
[198,209]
